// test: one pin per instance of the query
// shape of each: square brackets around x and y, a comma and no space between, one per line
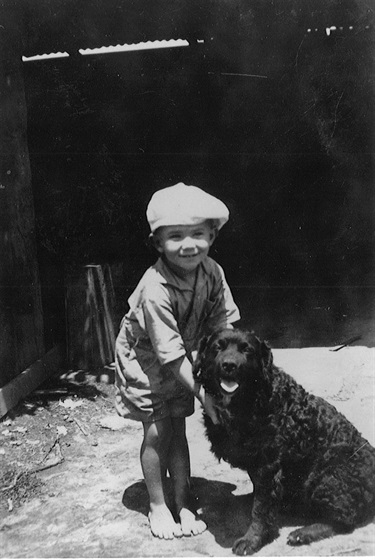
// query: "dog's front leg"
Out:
[263,527]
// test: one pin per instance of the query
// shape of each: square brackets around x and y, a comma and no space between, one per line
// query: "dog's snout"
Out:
[229,366]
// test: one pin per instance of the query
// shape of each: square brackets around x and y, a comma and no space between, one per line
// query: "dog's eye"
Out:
[246,349]
[220,345]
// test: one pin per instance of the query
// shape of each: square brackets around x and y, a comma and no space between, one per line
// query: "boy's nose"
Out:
[188,242]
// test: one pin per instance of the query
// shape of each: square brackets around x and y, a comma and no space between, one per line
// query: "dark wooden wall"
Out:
[271,113]
[279,126]
[21,321]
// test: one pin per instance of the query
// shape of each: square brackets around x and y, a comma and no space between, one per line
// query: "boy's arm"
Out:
[223,310]
[182,369]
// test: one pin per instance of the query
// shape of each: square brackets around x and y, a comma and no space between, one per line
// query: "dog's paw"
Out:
[298,538]
[310,533]
[246,546]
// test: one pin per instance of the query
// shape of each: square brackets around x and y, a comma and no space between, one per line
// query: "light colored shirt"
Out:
[165,321]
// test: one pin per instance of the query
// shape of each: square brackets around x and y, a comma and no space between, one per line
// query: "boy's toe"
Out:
[190,524]
[178,530]
[163,526]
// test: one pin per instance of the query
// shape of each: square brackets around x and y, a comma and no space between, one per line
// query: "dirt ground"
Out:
[71,483]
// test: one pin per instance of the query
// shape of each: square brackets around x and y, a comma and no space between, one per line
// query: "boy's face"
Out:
[185,247]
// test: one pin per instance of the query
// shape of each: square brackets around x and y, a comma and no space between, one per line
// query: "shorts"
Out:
[146,390]
[141,405]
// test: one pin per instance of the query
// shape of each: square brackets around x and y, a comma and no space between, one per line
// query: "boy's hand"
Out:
[208,404]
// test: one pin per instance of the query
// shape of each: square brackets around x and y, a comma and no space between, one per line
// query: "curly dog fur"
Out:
[296,447]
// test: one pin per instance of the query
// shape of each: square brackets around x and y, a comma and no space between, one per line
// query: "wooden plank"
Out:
[21,319]
[89,311]
[22,385]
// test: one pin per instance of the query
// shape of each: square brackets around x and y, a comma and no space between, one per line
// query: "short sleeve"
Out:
[161,325]
[224,311]
[231,309]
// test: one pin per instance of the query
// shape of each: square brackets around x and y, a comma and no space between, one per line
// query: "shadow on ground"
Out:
[227,515]
[78,385]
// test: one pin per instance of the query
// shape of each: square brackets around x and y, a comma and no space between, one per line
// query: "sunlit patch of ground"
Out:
[71,484]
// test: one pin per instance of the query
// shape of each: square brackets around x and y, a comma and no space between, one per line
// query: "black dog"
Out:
[296,447]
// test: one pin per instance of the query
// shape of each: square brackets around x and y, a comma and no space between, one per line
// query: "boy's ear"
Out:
[213,235]
[155,242]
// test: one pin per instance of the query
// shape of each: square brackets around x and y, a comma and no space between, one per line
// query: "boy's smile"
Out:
[185,247]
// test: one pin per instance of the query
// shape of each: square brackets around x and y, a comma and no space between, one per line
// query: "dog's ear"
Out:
[199,357]
[266,354]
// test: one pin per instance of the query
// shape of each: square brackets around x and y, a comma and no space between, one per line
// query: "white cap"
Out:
[184,205]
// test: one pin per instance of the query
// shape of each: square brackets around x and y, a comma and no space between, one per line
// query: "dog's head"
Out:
[230,361]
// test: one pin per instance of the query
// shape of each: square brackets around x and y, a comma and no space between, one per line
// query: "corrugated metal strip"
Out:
[45,26]
[68,25]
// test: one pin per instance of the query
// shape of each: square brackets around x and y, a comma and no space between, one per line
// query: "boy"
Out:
[181,297]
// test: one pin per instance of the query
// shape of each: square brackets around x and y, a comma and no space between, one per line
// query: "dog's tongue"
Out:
[228,386]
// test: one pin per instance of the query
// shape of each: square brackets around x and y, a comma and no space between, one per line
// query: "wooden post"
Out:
[89,309]
[21,320]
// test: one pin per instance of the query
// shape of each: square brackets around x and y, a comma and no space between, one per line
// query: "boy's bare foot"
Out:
[162,524]
[190,524]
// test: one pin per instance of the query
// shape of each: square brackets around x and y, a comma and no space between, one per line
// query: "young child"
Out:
[181,297]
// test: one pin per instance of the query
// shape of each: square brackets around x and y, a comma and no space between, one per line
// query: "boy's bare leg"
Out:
[179,468]
[154,454]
